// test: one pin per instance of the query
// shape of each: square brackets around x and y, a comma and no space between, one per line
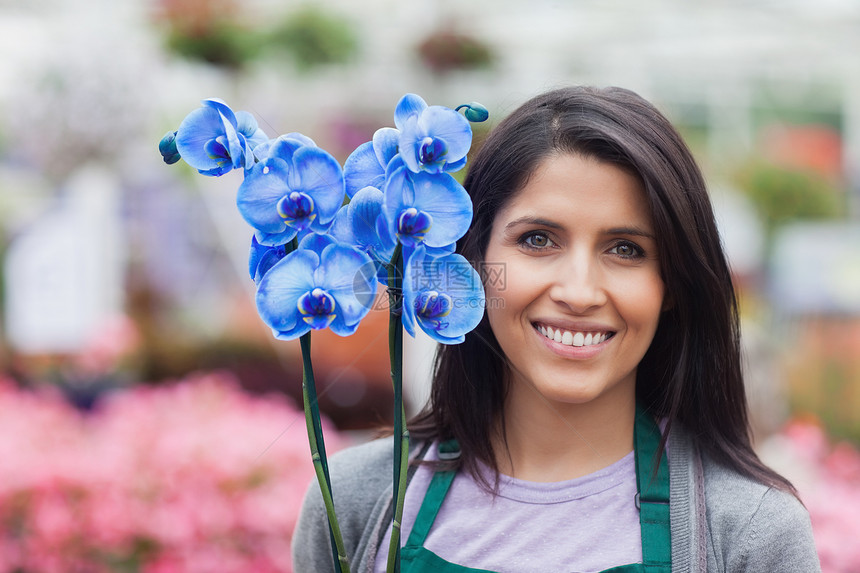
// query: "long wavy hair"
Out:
[691,374]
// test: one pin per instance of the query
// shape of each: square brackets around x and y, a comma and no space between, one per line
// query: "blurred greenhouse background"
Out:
[148,420]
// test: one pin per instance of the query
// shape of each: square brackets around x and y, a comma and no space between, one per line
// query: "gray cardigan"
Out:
[720,521]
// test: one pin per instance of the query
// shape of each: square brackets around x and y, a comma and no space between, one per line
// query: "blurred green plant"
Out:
[825,387]
[222,43]
[838,413]
[783,194]
[313,37]
[208,31]
[446,50]
[212,31]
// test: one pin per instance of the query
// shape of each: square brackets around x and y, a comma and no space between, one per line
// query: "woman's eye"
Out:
[536,241]
[627,250]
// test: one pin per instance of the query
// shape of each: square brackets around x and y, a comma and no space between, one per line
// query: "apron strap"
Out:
[435,495]
[653,497]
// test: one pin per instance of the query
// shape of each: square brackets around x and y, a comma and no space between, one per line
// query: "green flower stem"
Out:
[401,449]
[315,438]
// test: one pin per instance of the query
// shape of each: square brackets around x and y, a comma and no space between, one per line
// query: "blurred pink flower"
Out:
[195,476]
[808,439]
[114,340]
[832,496]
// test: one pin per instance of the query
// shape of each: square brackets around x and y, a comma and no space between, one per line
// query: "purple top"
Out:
[586,524]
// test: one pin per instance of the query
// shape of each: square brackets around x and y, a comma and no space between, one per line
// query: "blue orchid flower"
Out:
[322,284]
[443,296]
[433,209]
[297,186]
[215,140]
[433,139]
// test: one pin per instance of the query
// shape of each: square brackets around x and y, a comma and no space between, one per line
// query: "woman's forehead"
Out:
[568,186]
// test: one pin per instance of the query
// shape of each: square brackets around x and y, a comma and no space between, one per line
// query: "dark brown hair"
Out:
[691,374]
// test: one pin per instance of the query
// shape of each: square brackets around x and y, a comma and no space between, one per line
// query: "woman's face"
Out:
[582,292]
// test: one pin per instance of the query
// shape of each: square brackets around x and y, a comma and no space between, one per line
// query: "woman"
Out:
[596,418]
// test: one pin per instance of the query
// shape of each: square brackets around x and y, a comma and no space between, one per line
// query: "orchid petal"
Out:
[246,124]
[340,227]
[362,169]
[263,257]
[431,252]
[447,202]
[275,239]
[363,211]
[301,138]
[284,148]
[455,165]
[235,142]
[222,108]
[385,144]
[393,165]
[406,318]
[316,242]
[409,105]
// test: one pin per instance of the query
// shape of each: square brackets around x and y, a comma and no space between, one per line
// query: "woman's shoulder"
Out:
[757,526]
[731,521]
[363,471]
[367,460]
[738,499]
[728,493]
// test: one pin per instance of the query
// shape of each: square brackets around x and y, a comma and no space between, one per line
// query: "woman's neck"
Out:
[547,441]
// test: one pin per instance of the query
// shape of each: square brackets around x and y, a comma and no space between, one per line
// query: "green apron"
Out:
[652,500]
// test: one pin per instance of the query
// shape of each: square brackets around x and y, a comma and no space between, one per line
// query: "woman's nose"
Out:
[578,283]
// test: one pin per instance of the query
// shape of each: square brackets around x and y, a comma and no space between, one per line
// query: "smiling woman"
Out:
[595,420]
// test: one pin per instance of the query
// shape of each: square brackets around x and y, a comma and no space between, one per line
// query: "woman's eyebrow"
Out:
[538,221]
[634,231]
[541,222]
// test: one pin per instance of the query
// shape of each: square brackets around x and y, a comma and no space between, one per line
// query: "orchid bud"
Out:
[475,112]
[167,147]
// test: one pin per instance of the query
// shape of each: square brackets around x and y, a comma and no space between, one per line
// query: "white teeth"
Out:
[569,338]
